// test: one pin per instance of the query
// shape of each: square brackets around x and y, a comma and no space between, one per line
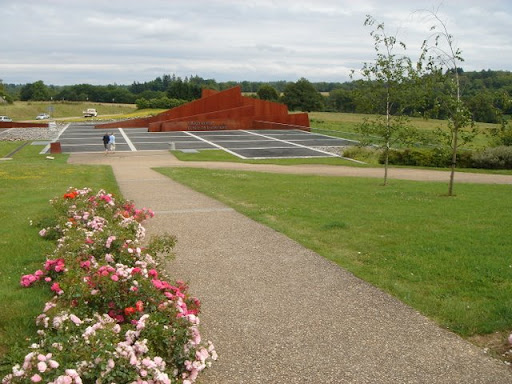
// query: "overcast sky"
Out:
[121,41]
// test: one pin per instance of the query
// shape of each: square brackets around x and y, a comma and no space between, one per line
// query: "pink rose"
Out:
[56,288]
[75,319]
[41,366]
[153,273]
[27,280]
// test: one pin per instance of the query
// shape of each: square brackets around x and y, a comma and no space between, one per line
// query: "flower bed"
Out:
[115,318]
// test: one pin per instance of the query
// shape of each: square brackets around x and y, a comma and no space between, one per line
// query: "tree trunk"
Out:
[388,135]
[455,135]
[454,157]
[386,162]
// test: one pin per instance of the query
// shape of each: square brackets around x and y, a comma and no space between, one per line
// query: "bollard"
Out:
[55,147]
[173,146]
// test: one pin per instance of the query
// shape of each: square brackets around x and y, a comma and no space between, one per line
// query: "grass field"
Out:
[447,257]
[344,125]
[71,111]
[29,181]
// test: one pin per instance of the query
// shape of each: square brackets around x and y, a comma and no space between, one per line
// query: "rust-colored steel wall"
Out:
[258,124]
[299,119]
[205,119]
[13,124]
[226,109]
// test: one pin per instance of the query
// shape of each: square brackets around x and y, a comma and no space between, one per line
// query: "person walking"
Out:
[112,143]
[106,140]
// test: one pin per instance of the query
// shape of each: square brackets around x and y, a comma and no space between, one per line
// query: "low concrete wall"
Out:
[13,124]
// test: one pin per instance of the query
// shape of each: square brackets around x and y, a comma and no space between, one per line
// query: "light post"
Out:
[50,108]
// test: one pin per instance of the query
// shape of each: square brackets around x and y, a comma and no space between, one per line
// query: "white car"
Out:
[90,112]
[5,119]
[42,116]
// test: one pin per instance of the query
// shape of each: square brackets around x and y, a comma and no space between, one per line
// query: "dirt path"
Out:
[164,158]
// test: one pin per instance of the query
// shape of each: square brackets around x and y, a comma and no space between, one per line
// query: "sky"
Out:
[66,42]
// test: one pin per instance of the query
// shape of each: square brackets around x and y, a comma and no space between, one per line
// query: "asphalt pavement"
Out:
[245,144]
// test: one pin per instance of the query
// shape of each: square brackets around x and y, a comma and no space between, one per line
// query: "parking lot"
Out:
[257,144]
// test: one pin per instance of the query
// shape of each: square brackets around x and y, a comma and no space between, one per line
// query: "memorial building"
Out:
[220,110]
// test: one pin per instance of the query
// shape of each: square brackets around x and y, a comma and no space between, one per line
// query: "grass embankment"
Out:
[345,124]
[72,111]
[29,181]
[447,257]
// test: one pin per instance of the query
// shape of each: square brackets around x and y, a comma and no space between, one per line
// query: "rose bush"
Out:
[115,317]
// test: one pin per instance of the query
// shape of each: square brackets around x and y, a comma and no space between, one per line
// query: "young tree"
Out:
[443,60]
[385,91]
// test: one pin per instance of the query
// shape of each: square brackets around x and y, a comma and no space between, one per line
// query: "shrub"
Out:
[493,158]
[159,103]
[114,316]
[366,154]
[421,157]
[412,157]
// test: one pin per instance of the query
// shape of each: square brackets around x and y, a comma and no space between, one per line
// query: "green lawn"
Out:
[447,257]
[344,125]
[29,181]
[223,156]
[72,111]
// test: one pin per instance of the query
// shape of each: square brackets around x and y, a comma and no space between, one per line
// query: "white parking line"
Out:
[215,145]
[289,142]
[128,141]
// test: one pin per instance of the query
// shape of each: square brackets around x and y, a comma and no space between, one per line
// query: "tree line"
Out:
[487,94]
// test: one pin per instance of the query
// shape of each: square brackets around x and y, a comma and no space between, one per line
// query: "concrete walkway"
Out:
[280,313]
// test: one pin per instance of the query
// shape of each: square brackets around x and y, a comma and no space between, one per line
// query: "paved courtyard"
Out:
[257,144]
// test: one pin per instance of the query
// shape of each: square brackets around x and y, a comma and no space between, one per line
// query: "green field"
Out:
[71,111]
[29,181]
[344,125]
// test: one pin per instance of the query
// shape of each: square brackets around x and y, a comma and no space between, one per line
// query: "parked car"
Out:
[90,112]
[42,116]
[5,119]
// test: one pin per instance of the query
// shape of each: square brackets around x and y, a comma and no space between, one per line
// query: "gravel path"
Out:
[280,313]
[28,134]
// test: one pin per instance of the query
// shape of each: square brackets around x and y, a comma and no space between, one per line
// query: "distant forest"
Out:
[487,93]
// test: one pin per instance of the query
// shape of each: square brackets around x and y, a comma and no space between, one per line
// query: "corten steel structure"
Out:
[224,110]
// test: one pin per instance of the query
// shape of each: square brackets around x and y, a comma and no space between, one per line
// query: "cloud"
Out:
[122,41]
